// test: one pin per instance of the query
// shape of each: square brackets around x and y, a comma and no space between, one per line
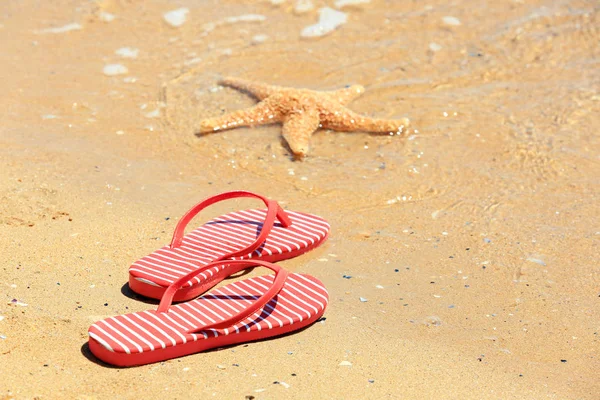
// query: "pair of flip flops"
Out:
[246,310]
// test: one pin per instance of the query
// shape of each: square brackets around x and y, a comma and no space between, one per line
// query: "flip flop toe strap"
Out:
[274,211]
[231,267]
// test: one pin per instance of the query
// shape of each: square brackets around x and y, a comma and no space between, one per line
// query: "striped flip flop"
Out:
[270,234]
[243,311]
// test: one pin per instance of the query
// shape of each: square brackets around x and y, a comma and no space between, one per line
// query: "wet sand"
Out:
[474,239]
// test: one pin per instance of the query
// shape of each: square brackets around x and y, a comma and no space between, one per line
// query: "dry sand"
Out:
[475,240]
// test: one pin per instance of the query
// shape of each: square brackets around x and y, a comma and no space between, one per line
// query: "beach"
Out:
[462,261]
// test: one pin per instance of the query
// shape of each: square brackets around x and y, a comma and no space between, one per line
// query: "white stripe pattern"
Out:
[224,235]
[301,298]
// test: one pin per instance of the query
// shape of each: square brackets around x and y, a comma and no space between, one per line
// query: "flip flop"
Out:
[243,311]
[251,234]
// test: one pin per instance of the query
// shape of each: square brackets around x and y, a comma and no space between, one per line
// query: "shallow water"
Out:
[474,238]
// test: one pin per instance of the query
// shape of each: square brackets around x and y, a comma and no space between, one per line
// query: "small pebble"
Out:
[153,114]
[434,47]
[106,17]
[371,380]
[363,300]
[176,18]
[220,366]
[2,336]
[432,321]
[346,276]
[114,69]
[61,29]
[537,261]
[257,39]
[345,364]
[452,21]
[127,52]
[16,302]
[379,287]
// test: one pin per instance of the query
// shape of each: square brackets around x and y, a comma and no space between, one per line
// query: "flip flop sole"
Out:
[131,360]
[152,274]
[150,289]
[151,336]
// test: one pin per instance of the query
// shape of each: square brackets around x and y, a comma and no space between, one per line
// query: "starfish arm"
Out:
[261,114]
[346,95]
[257,89]
[298,128]
[342,119]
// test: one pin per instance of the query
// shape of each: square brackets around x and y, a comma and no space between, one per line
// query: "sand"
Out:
[474,240]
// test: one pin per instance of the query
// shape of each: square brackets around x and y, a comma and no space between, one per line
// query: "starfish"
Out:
[301,111]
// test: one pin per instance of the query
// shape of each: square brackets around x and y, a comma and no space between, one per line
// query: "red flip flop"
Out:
[258,234]
[243,311]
